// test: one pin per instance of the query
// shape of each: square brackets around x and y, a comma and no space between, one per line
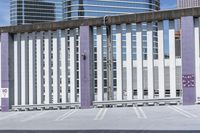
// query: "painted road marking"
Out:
[101,114]
[60,117]
[68,115]
[186,112]
[98,114]
[143,113]
[140,113]
[34,116]
[137,112]
[182,112]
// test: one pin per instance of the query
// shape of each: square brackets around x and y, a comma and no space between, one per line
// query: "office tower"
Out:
[33,11]
[187,3]
[75,9]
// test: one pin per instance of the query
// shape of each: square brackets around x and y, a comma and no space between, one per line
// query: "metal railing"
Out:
[46,106]
[147,102]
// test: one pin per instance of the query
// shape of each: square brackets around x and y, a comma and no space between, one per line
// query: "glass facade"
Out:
[33,11]
[75,9]
[97,8]
[124,28]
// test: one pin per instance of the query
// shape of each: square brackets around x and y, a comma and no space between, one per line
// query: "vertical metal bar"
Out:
[109,63]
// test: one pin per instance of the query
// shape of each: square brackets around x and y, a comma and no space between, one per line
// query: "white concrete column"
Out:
[197,58]
[64,66]
[172,59]
[99,65]
[39,43]
[17,81]
[56,87]
[150,61]
[161,70]
[139,62]
[129,63]
[0,70]
[24,71]
[16,84]
[47,69]
[73,80]
[119,62]
[32,89]
[79,69]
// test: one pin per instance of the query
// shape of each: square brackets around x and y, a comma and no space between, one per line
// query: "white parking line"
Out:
[34,116]
[137,112]
[100,115]
[103,114]
[60,117]
[68,115]
[10,115]
[186,112]
[182,112]
[143,113]
[140,113]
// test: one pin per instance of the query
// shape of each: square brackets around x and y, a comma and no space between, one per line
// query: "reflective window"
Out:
[75,9]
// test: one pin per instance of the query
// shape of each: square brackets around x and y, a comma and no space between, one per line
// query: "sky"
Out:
[5,14]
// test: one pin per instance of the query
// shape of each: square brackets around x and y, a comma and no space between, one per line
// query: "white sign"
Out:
[4,92]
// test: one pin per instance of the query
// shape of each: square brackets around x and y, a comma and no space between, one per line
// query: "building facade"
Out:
[34,11]
[187,3]
[76,9]
[87,63]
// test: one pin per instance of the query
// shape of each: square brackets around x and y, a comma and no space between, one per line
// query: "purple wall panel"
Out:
[4,69]
[5,104]
[188,60]
[86,67]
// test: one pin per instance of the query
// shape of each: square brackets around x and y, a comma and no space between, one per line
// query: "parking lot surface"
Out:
[130,118]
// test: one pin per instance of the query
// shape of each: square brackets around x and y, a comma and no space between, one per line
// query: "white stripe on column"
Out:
[17,70]
[39,43]
[172,59]
[56,87]
[16,84]
[161,71]
[47,69]
[119,62]
[64,67]
[32,90]
[73,79]
[79,69]
[197,59]
[99,65]
[150,61]
[129,63]
[24,72]
[0,69]
[139,62]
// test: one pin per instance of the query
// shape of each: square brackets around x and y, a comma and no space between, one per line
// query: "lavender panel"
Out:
[188,60]
[86,67]
[5,104]
[4,69]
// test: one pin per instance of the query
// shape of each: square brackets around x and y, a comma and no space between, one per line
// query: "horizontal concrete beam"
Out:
[159,100]
[129,18]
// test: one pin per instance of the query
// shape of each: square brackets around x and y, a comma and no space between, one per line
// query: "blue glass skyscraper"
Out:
[33,11]
[74,9]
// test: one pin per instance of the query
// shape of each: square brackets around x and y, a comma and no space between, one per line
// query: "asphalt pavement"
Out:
[122,119]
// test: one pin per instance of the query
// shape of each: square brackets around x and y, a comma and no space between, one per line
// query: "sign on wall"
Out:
[188,80]
[4,92]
